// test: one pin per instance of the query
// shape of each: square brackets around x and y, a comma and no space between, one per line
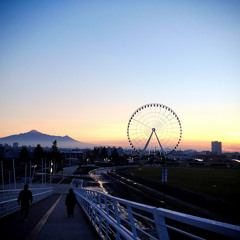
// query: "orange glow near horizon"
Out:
[111,130]
[117,136]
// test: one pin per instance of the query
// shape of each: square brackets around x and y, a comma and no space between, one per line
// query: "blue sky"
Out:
[81,68]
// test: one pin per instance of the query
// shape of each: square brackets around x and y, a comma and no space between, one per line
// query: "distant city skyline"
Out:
[81,68]
[216,147]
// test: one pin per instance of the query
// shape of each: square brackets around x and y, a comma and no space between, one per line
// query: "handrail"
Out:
[116,218]
[34,197]
[9,203]
[19,189]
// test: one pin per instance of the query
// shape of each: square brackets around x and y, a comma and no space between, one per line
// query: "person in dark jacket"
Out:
[70,202]
[24,199]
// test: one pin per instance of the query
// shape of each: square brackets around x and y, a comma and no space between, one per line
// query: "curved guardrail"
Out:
[9,203]
[116,218]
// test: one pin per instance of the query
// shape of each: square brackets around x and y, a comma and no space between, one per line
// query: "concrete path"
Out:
[48,220]
[69,170]
[59,226]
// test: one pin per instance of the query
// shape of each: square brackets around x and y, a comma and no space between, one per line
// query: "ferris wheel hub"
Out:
[153,129]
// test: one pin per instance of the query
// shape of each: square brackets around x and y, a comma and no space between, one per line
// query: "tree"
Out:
[55,154]
[38,153]
[115,156]
[24,154]
[96,153]
[54,147]
[104,153]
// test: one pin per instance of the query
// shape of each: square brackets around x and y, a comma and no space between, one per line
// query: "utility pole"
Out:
[42,171]
[30,173]
[25,173]
[14,174]
[2,175]
[45,172]
[9,178]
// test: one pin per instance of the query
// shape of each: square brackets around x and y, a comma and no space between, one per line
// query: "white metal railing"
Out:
[116,218]
[78,183]
[9,203]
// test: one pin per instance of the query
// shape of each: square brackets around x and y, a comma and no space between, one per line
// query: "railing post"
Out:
[132,222]
[95,202]
[106,204]
[100,224]
[95,199]
[92,200]
[160,225]
[107,211]
[106,233]
[95,218]
[88,204]
[100,216]
[100,201]
[116,212]
[117,217]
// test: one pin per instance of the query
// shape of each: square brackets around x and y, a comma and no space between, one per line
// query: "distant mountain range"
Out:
[34,137]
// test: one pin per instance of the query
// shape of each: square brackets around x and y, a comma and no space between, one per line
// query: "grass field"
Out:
[223,183]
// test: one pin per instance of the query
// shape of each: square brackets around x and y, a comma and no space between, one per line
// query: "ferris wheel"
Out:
[154,127]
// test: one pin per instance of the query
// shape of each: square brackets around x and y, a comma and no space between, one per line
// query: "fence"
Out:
[9,203]
[116,218]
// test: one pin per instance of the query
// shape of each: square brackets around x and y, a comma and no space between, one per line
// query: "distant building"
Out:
[15,145]
[109,151]
[120,151]
[217,147]
[190,152]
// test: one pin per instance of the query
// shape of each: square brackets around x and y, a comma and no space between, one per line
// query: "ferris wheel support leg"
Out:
[163,152]
[145,146]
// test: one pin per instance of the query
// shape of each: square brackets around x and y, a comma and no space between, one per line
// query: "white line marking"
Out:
[41,223]
[61,180]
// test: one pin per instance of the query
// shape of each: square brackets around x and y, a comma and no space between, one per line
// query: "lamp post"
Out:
[164,179]
[164,176]
[2,175]
[14,174]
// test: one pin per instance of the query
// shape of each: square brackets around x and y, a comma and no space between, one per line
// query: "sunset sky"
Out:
[81,68]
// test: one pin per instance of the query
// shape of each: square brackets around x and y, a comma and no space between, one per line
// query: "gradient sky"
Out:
[81,68]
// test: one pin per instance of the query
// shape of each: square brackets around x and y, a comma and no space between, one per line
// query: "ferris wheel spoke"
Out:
[158,119]
[141,132]
[141,123]
[169,124]
[166,121]
[138,133]
[138,140]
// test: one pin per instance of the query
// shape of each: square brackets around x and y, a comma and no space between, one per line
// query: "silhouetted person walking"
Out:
[24,198]
[70,202]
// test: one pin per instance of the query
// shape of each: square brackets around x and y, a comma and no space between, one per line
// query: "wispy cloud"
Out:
[231,148]
[234,133]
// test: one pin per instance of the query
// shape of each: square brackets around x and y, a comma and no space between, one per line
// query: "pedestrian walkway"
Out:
[48,220]
[59,226]
[69,170]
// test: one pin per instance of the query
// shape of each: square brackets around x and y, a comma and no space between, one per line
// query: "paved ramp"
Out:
[59,226]
[48,220]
